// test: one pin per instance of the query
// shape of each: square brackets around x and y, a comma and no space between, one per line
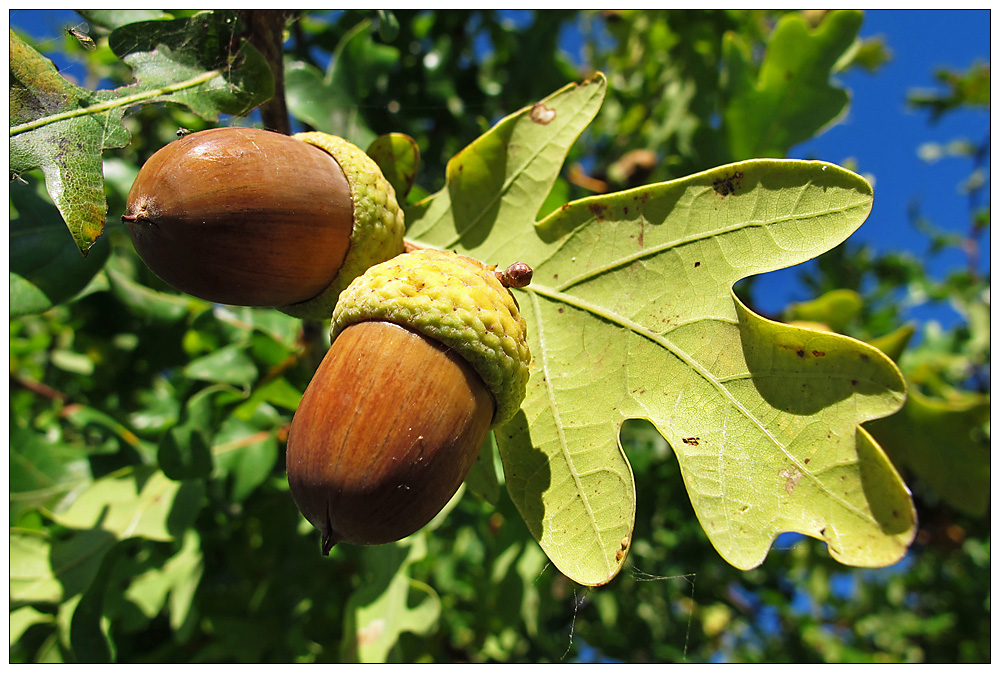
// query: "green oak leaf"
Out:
[329,102]
[941,442]
[110,19]
[46,268]
[63,129]
[388,601]
[398,155]
[197,61]
[139,503]
[834,309]
[791,98]
[143,504]
[173,585]
[631,314]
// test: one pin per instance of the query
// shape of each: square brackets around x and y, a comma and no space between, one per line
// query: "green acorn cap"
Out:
[455,300]
[378,222]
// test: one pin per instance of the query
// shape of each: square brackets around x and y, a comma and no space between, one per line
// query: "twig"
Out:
[266,31]
[40,388]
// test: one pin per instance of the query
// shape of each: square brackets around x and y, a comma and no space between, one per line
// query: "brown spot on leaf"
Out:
[697,264]
[693,441]
[541,114]
[728,185]
[598,209]
[801,353]
[818,354]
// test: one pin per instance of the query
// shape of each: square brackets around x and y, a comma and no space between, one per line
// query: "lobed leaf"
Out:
[631,314]
[791,98]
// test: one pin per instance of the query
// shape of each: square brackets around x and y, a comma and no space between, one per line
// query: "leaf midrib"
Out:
[695,238]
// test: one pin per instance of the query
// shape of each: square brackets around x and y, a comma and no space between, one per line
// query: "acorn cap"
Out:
[378,222]
[455,300]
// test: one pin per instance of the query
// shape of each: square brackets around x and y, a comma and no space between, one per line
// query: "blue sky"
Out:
[883,135]
[879,134]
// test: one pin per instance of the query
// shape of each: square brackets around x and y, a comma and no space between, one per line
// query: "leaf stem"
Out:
[117,102]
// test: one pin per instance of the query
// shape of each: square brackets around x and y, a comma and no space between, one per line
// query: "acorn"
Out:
[428,353]
[254,218]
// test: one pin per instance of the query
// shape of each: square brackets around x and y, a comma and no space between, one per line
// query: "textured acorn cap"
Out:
[455,300]
[378,222]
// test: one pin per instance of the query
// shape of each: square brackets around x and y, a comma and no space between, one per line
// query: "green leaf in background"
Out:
[941,441]
[936,440]
[631,315]
[43,468]
[63,129]
[245,450]
[140,504]
[196,62]
[388,602]
[31,576]
[116,18]
[45,267]
[835,309]
[229,364]
[329,102]
[791,99]
[23,619]
[146,302]
[482,478]
[172,585]
[184,452]
[398,156]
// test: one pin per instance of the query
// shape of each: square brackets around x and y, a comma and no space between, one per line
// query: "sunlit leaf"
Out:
[836,309]
[115,18]
[631,315]
[791,98]
[62,129]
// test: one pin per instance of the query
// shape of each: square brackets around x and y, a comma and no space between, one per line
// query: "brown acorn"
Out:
[428,353]
[254,218]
